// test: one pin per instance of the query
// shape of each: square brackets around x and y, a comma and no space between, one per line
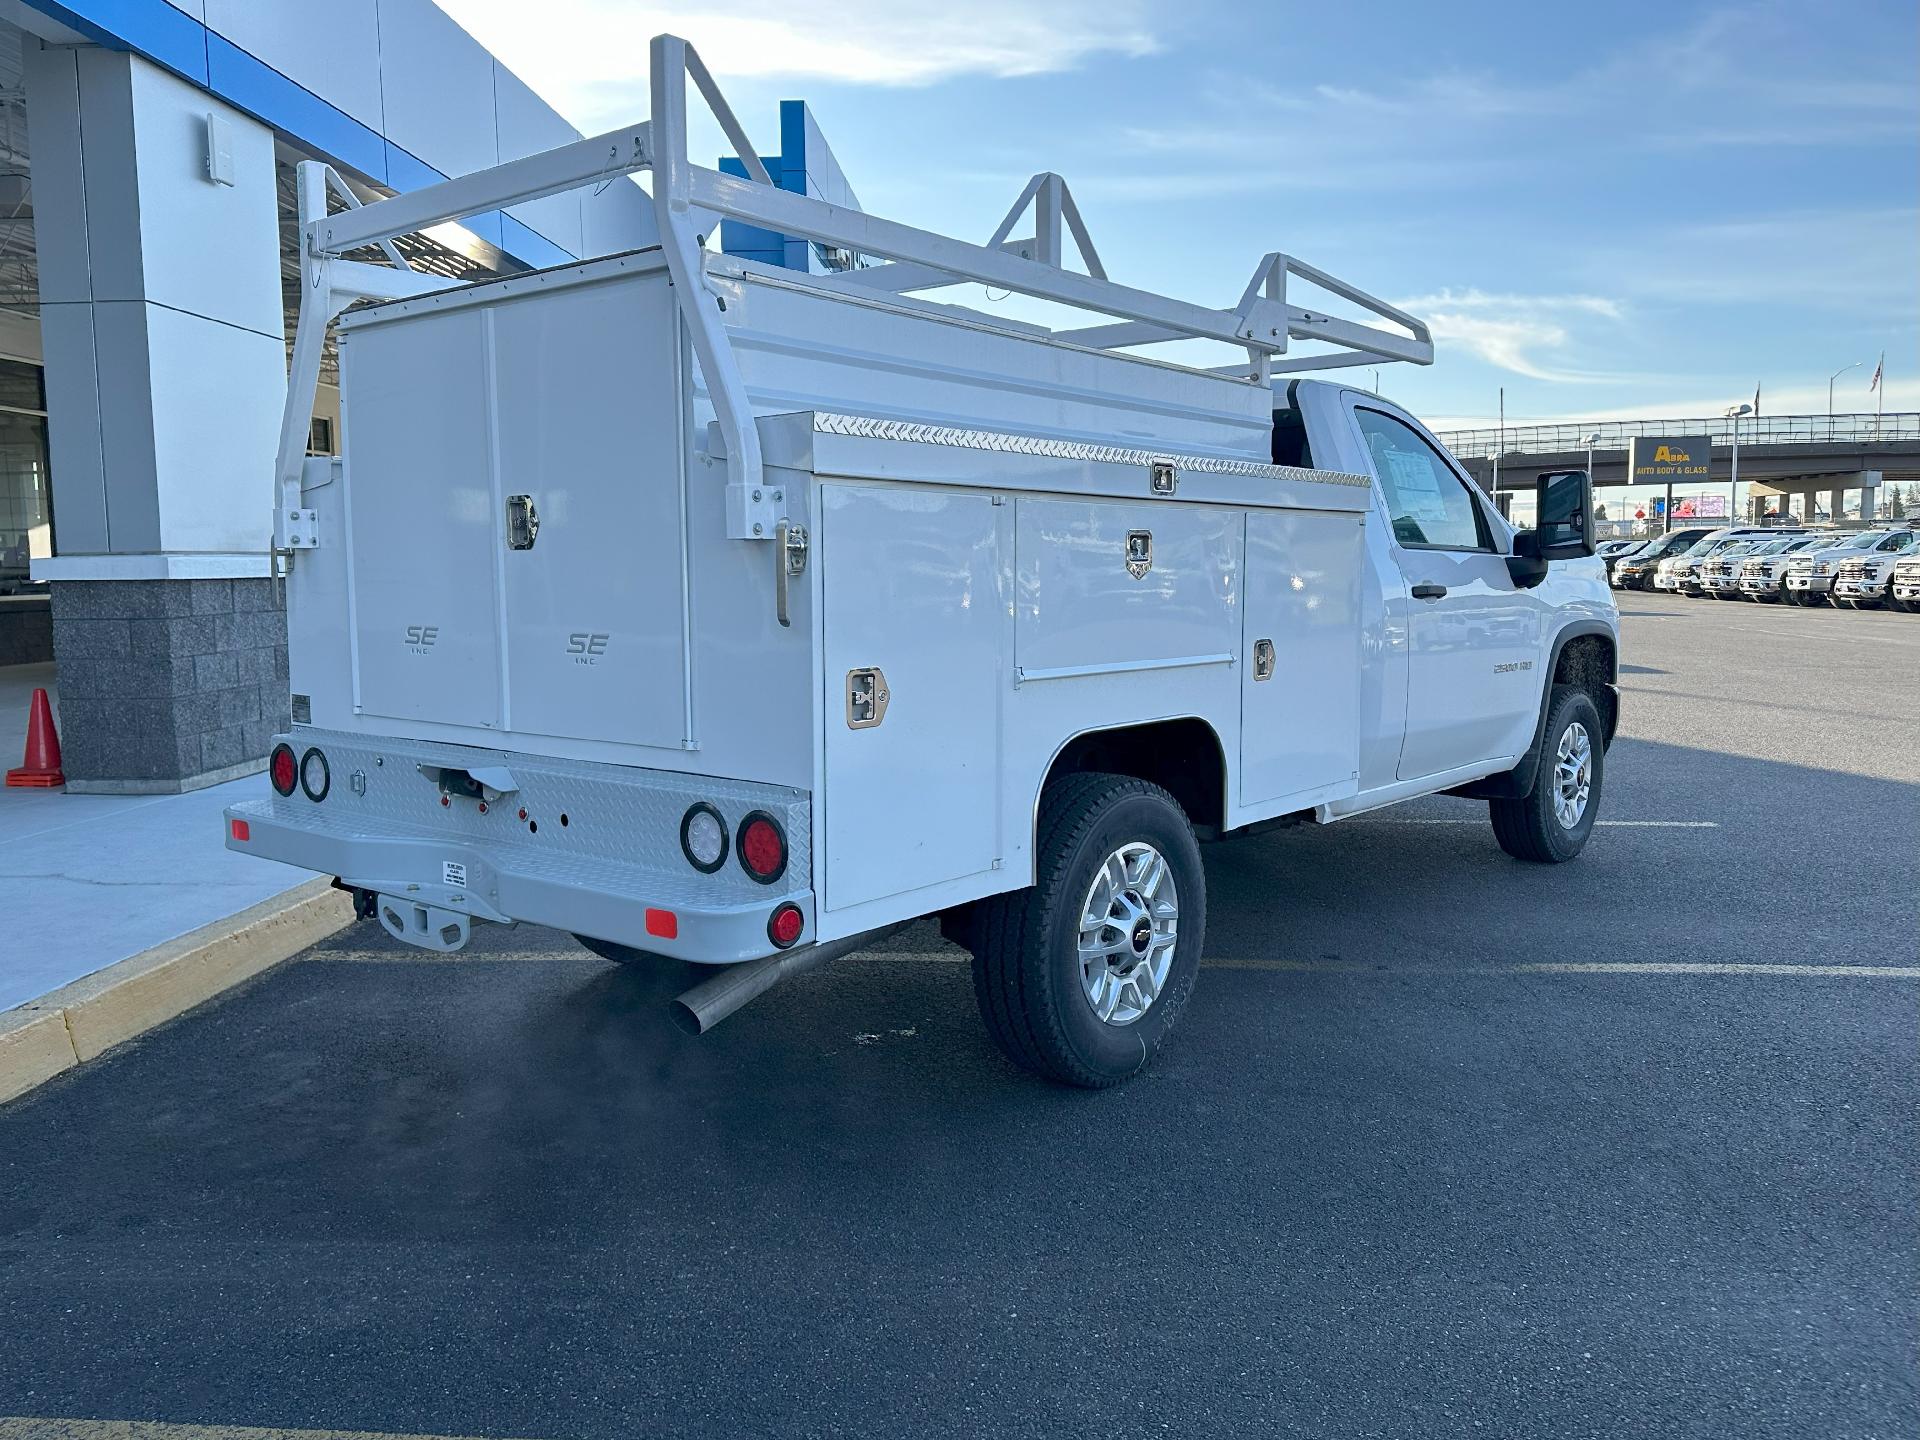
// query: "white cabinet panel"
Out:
[1082,608]
[912,589]
[424,519]
[1299,732]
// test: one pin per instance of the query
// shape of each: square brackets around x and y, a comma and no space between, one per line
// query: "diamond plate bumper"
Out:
[582,847]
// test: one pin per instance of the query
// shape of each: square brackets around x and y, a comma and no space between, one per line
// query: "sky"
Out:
[1610,210]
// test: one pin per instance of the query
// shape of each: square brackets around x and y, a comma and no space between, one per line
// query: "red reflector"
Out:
[240,830]
[282,771]
[763,849]
[663,923]
[785,926]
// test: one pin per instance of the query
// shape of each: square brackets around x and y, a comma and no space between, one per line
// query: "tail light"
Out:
[763,847]
[785,924]
[703,837]
[315,776]
[282,770]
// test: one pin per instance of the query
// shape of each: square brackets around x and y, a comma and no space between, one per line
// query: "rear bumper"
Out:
[613,870]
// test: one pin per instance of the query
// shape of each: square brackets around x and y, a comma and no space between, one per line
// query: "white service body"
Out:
[533,568]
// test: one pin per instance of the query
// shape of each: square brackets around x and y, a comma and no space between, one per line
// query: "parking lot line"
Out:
[1539,967]
[24,1427]
[1619,824]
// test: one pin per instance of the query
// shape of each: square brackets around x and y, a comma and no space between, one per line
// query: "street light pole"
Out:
[1589,441]
[1830,379]
[1733,413]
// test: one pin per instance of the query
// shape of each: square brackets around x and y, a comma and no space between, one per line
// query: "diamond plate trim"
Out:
[622,821]
[867,427]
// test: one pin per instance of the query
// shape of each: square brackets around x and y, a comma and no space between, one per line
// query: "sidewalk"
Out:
[89,880]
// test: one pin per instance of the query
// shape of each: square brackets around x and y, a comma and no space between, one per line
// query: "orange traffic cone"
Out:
[40,766]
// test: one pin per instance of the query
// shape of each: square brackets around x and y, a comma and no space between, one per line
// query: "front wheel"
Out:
[1081,976]
[1551,824]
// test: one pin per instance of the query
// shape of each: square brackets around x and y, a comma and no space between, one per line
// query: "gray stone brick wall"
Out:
[26,630]
[167,685]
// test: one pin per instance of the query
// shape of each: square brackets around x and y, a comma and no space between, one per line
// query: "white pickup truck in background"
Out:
[734,614]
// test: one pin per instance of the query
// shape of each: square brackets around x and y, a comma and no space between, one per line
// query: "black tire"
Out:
[1026,966]
[1529,828]
[623,954]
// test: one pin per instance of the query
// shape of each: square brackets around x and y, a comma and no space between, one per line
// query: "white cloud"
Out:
[589,57]
[1512,331]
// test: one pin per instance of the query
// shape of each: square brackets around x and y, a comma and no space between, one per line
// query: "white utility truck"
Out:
[731,614]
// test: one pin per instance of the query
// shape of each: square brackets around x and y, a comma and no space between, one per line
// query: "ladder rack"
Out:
[1263,322]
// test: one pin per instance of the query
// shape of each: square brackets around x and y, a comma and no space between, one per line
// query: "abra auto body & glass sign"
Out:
[1668,459]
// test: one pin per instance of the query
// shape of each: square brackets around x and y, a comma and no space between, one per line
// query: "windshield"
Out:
[1865,540]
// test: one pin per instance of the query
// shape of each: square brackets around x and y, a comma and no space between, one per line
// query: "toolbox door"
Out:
[1300,683]
[914,603]
[423,519]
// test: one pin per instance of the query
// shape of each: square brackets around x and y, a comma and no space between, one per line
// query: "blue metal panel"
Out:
[152,28]
[805,166]
[530,245]
[263,92]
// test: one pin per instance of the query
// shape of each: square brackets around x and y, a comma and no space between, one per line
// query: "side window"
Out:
[1427,503]
[1897,542]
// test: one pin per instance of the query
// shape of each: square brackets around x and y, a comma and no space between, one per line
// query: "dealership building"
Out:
[148,283]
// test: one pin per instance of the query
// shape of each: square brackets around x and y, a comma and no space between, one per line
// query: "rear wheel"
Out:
[1081,976]
[622,954]
[1551,824]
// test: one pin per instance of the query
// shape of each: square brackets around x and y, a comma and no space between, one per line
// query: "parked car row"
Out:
[1794,565]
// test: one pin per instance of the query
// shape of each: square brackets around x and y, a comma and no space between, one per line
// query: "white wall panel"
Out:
[216,393]
[333,50]
[618,218]
[209,249]
[437,88]
[525,125]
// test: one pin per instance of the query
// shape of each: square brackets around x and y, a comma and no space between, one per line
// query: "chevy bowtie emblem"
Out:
[1139,553]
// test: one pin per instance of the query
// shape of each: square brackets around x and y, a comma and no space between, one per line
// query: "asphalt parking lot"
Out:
[1408,1170]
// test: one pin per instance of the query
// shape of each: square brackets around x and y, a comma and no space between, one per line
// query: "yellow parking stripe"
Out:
[24,1427]
[1542,967]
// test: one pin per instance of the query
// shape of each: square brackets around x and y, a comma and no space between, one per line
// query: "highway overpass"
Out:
[1782,457]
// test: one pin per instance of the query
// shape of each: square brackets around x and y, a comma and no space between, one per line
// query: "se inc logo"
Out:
[421,638]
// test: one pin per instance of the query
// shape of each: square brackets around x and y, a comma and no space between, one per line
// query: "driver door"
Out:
[1473,687]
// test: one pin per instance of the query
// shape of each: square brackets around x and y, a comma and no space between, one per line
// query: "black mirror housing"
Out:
[1563,526]
[1563,514]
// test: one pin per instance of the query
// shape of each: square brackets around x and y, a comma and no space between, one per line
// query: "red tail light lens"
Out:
[282,770]
[763,847]
[785,925]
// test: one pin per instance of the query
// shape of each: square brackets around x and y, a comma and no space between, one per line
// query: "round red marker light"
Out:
[282,770]
[785,926]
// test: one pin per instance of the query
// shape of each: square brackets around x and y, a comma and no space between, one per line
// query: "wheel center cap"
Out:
[1142,936]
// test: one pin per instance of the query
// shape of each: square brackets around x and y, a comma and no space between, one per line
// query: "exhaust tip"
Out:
[685,1018]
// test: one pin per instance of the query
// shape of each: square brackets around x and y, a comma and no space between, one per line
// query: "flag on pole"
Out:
[1874,384]
[1756,397]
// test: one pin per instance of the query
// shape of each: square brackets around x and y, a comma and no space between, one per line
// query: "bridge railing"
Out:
[1754,430]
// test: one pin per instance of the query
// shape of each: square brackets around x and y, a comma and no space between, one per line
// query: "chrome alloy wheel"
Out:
[1128,928]
[1572,775]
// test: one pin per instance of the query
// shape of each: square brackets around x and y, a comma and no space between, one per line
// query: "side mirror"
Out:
[1563,526]
[1563,510]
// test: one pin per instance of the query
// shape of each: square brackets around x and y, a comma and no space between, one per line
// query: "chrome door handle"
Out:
[1428,591]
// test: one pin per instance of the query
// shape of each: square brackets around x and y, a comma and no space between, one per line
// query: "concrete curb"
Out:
[81,1021]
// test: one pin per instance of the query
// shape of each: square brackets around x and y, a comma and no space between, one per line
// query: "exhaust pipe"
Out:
[698,1010]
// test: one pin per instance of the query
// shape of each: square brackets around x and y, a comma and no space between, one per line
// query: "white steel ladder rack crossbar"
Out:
[1262,323]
